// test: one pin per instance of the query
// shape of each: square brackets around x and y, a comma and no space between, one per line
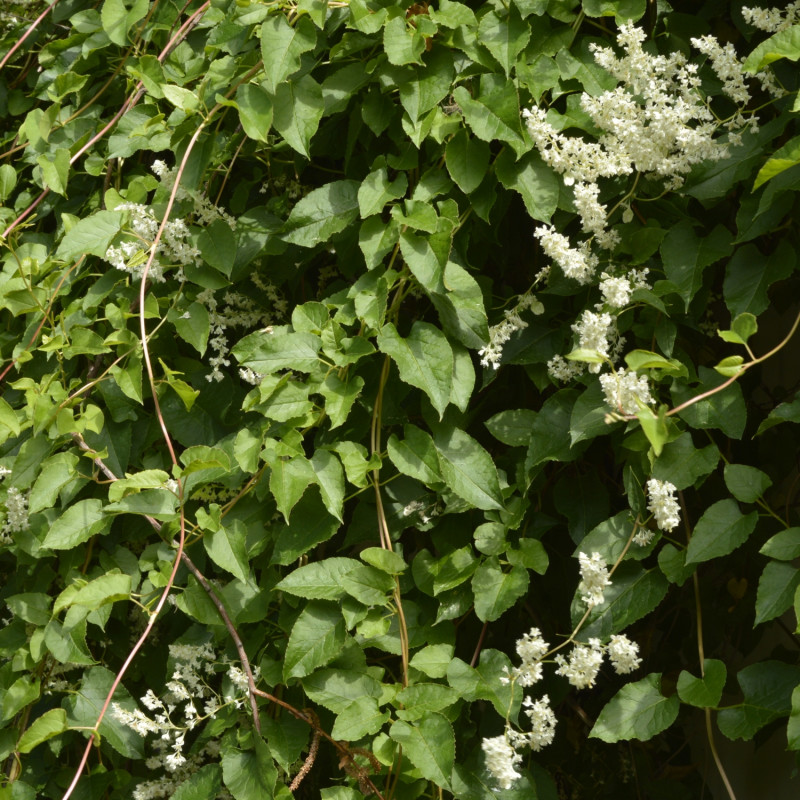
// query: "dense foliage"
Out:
[397,397]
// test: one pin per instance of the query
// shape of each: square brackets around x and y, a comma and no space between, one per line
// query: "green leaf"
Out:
[57,472]
[623,10]
[297,111]
[268,351]
[785,412]
[320,580]
[338,689]
[494,114]
[588,418]
[550,435]
[249,774]
[309,526]
[118,16]
[485,682]
[429,86]
[646,359]
[782,159]
[767,688]
[504,36]
[340,395]
[22,692]
[83,709]
[655,427]
[497,591]
[468,469]
[360,718]
[77,524]
[512,427]
[322,213]
[776,588]
[784,44]
[724,410]
[683,465]
[793,727]
[255,110]
[288,480]
[637,711]
[107,588]
[743,327]
[783,546]
[672,562]
[317,638]
[50,724]
[420,699]
[535,182]
[226,547]
[8,180]
[415,455]
[55,169]
[330,479]
[467,161]
[402,42]
[377,190]
[282,46]
[704,692]
[720,530]
[633,593]
[193,326]
[429,745]
[433,660]
[181,98]
[746,483]
[90,235]
[749,275]
[424,359]
[204,783]
[157,503]
[385,560]
[686,254]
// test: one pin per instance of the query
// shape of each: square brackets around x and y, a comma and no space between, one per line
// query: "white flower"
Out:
[663,504]
[616,291]
[501,758]
[578,263]
[594,333]
[583,665]
[594,578]
[624,390]
[238,678]
[643,537]
[623,654]
[531,648]
[543,722]
[562,370]
[499,334]
[772,20]
[16,511]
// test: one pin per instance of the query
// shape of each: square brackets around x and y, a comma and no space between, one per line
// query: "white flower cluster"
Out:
[204,211]
[238,311]
[594,578]
[663,504]
[503,753]
[657,123]
[174,247]
[579,263]
[585,660]
[16,508]
[187,688]
[624,390]
[499,334]
[773,20]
